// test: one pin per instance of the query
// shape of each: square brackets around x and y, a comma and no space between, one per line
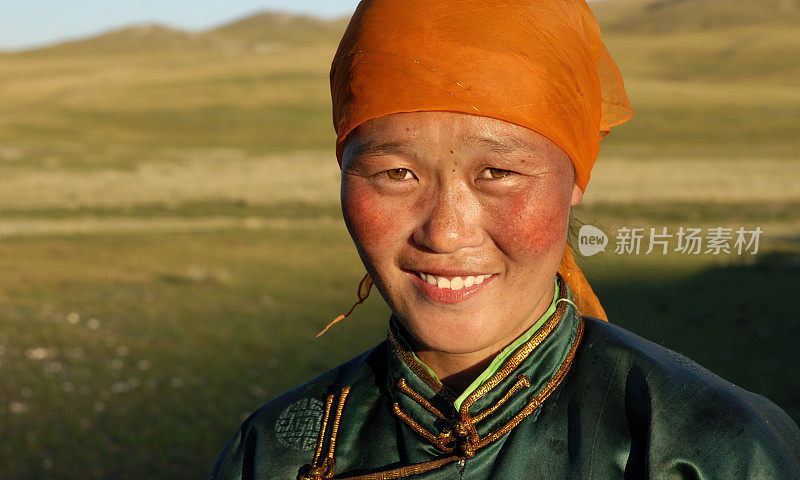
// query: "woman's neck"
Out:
[457,371]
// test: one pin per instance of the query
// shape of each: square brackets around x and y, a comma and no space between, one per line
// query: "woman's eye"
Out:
[495,173]
[399,174]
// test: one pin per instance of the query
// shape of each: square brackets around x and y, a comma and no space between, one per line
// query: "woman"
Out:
[466,132]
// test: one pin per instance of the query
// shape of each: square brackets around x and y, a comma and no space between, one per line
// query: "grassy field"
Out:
[170,239]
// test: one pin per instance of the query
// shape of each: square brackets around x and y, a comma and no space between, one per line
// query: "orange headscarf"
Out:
[539,64]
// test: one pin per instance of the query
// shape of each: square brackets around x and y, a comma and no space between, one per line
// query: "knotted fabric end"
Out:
[364,287]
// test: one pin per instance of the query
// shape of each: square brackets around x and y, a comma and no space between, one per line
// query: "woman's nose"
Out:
[450,222]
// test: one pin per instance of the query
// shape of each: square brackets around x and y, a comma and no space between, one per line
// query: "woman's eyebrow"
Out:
[504,144]
[374,149]
[496,144]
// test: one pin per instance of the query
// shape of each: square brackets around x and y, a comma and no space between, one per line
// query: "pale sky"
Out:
[29,23]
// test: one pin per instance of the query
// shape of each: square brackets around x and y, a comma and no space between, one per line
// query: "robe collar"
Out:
[514,392]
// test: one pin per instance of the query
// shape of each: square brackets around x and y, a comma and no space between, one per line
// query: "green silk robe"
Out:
[582,399]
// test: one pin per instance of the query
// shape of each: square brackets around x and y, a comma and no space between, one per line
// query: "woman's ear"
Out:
[577,195]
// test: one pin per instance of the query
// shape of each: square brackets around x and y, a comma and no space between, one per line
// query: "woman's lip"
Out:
[447,295]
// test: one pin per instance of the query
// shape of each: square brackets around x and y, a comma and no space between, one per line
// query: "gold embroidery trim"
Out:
[419,399]
[522,381]
[419,429]
[335,429]
[467,426]
[321,440]
[419,370]
[325,470]
[407,470]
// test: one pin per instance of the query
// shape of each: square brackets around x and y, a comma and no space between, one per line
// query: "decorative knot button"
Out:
[320,472]
[465,442]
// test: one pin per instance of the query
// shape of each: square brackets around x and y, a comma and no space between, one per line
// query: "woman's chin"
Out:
[453,334]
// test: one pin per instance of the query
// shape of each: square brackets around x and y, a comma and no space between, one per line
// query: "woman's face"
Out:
[461,222]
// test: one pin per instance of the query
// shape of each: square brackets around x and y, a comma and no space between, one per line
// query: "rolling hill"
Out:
[664,16]
[135,39]
[282,27]
[259,32]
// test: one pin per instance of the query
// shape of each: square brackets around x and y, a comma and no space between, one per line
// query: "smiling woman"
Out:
[461,158]
[461,221]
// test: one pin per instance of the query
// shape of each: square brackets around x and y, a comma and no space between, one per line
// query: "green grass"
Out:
[697,131]
[159,344]
[691,212]
[276,128]
[155,346]
[231,209]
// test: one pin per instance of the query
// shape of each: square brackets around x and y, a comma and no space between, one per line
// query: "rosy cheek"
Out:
[529,222]
[373,220]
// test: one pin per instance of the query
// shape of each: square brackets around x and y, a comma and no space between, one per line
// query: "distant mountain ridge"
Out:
[282,27]
[144,37]
[267,28]
[275,29]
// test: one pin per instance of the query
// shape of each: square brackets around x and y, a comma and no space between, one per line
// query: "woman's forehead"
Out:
[425,131]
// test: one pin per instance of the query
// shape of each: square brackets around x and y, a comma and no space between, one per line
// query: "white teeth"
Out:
[455,283]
